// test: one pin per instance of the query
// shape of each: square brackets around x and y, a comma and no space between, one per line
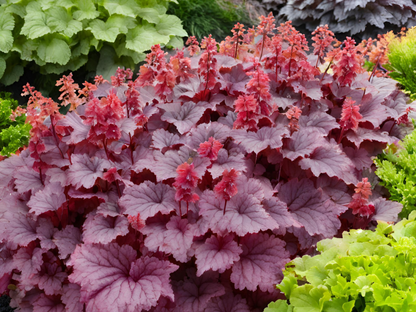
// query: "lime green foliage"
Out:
[396,169]
[203,17]
[13,134]
[61,35]
[363,271]
[402,57]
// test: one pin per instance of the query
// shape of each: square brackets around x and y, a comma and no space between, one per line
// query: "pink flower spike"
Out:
[210,148]
[136,222]
[227,187]
[364,188]
[187,177]
[350,115]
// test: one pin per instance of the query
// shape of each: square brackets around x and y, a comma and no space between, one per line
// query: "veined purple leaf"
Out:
[260,140]
[28,261]
[254,187]
[234,82]
[50,198]
[232,159]
[66,240]
[300,143]
[261,263]
[148,199]
[330,159]
[48,303]
[177,238]
[56,175]
[311,207]
[311,88]
[85,170]
[194,293]
[45,232]
[372,111]
[162,138]
[225,61]
[113,279]
[110,207]
[154,232]
[279,212]
[142,157]
[204,131]
[27,179]
[386,210]
[9,166]
[362,134]
[100,229]
[71,297]
[304,238]
[50,276]
[359,156]
[7,264]
[217,254]
[336,189]
[321,121]
[189,88]
[185,116]
[80,130]
[166,165]
[21,228]
[243,214]
[228,303]
[395,103]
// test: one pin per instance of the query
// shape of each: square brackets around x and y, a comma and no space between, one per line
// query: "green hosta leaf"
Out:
[2,66]
[36,24]
[6,36]
[142,37]
[170,25]
[104,31]
[278,306]
[54,51]
[123,23]
[122,7]
[87,10]
[59,20]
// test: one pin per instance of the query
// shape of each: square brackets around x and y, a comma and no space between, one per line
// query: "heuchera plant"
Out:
[362,271]
[190,187]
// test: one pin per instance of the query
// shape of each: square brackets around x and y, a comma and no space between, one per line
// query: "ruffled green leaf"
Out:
[36,22]
[60,20]
[142,37]
[170,25]
[122,7]
[54,51]
[104,31]
[6,27]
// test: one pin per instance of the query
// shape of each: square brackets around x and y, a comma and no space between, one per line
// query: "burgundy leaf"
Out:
[311,207]
[360,157]
[9,166]
[228,303]
[329,159]
[154,234]
[28,261]
[362,134]
[100,229]
[46,303]
[50,276]
[336,189]
[21,229]
[396,104]
[260,140]
[279,212]
[320,121]
[386,210]
[112,279]
[188,89]
[66,240]
[261,262]
[244,214]
[227,160]
[85,170]
[204,131]
[300,143]
[50,198]
[183,117]
[217,254]
[194,293]
[45,232]
[311,88]
[27,179]
[234,82]
[372,111]
[71,297]
[148,199]
[56,175]
[162,138]
[79,129]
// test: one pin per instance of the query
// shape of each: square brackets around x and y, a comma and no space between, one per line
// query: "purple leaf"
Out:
[320,121]
[66,240]
[254,187]
[260,140]
[27,179]
[232,159]
[217,254]
[194,293]
[311,88]
[112,279]
[50,198]
[85,170]
[100,229]
[362,134]
[71,297]
[50,276]
[162,138]
[80,130]
[279,212]
[188,89]
[48,304]
[184,116]
[372,111]
[336,189]
[396,104]
[45,232]
[204,131]
[234,82]
[244,214]
[154,232]
[225,61]
[21,229]
[261,262]
[311,207]
[28,261]
[56,175]
[148,199]
[110,207]
[300,143]
[386,210]
[166,165]
[359,157]
[304,238]
[9,166]
[228,303]
[177,238]
[330,159]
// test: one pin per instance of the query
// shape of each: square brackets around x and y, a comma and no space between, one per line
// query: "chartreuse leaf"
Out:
[170,25]
[144,36]
[86,10]
[54,50]
[122,7]
[60,20]
[308,298]
[278,306]
[6,27]
[123,23]
[36,23]
[103,31]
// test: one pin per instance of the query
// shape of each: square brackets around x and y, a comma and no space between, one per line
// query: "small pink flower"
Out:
[210,148]
[136,222]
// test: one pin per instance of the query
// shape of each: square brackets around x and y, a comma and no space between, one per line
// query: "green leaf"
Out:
[142,37]
[10,76]
[60,20]
[123,23]
[104,31]
[170,25]
[54,51]
[108,62]
[287,285]
[308,298]
[152,14]
[175,43]
[87,10]
[36,24]
[2,66]
[122,7]
[6,36]
[278,306]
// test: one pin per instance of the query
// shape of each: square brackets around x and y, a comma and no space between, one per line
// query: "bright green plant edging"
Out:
[59,36]
[13,133]
[363,271]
